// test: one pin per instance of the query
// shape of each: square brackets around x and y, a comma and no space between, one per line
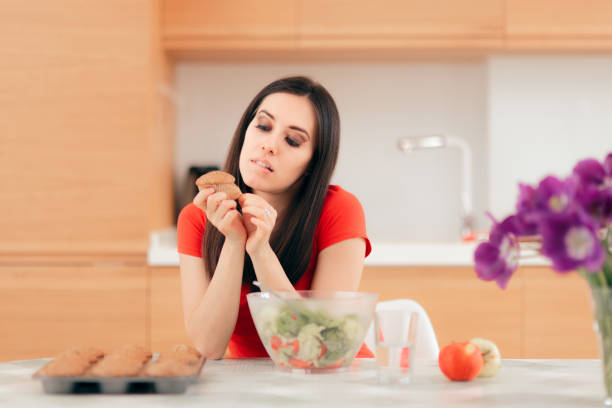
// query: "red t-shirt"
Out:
[342,218]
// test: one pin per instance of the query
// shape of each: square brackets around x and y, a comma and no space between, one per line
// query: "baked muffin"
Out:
[169,368]
[183,348]
[65,366]
[91,354]
[179,356]
[72,362]
[133,352]
[220,181]
[116,366]
[126,361]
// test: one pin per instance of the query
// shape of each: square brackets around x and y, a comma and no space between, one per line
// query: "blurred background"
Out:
[108,110]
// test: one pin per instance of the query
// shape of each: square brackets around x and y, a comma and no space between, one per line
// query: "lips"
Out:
[263,164]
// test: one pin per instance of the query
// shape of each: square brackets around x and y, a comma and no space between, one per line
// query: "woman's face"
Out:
[279,143]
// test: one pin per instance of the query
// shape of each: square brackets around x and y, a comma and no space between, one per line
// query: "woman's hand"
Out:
[259,219]
[221,213]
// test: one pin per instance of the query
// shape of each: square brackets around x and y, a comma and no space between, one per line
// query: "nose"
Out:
[270,144]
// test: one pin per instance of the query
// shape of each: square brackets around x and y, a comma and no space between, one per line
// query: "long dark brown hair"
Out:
[293,242]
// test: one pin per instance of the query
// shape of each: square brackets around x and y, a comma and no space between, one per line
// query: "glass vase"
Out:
[601,300]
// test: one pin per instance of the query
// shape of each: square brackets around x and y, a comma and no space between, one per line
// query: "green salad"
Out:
[303,338]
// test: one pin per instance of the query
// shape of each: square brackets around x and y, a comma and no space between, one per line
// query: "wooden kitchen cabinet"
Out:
[539,315]
[195,25]
[82,101]
[388,28]
[559,25]
[557,316]
[47,309]
[167,327]
[401,24]
[459,305]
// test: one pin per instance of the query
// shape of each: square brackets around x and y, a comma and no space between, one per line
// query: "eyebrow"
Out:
[299,129]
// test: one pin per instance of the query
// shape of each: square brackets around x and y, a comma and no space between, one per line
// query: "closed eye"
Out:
[291,142]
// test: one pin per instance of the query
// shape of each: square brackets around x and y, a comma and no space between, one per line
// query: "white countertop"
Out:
[162,252]
[257,383]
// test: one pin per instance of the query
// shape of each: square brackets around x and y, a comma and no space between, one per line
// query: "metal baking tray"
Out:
[118,385]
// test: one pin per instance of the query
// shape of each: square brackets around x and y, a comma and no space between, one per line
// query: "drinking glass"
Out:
[395,332]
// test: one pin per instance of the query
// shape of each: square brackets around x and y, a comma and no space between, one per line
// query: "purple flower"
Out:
[526,208]
[551,196]
[570,241]
[594,191]
[497,259]
[592,172]
[566,216]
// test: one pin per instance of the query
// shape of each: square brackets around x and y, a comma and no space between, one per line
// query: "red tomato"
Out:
[461,361]
[297,363]
[275,342]
[296,346]
[323,350]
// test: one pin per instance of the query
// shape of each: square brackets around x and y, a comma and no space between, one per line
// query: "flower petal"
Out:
[487,262]
[596,202]
[526,199]
[556,243]
[590,171]
[503,278]
[607,163]
[596,260]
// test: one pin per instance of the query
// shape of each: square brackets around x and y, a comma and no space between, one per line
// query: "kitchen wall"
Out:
[545,113]
[409,198]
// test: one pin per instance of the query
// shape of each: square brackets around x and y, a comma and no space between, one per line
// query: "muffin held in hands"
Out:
[220,181]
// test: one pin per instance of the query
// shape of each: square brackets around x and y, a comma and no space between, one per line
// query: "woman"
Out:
[293,231]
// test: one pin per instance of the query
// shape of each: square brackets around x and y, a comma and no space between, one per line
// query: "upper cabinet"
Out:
[195,25]
[305,25]
[559,25]
[390,27]
[79,111]
[401,24]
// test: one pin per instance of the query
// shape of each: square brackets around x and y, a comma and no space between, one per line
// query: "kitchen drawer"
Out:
[45,310]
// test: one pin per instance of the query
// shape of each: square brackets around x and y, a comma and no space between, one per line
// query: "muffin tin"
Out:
[117,385]
[83,384]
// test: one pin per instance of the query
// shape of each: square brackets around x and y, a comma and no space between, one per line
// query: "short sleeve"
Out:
[342,218]
[190,228]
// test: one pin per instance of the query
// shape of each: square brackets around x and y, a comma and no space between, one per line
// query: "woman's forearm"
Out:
[212,323]
[269,270]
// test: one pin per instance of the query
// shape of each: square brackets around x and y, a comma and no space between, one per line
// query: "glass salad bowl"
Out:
[310,329]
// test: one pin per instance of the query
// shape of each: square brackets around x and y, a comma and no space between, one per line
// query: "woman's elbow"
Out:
[209,353]
[208,350]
